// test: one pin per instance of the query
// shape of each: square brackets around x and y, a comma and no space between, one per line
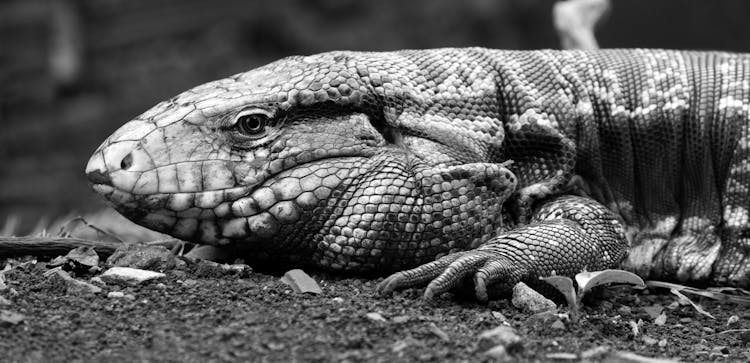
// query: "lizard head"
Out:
[292,154]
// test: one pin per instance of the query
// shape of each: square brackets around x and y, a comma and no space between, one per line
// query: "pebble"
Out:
[530,301]
[120,295]
[558,325]
[73,286]
[129,276]
[661,319]
[502,335]
[654,311]
[301,282]
[79,257]
[708,330]
[733,320]
[499,316]
[156,258]
[4,301]
[9,318]
[375,317]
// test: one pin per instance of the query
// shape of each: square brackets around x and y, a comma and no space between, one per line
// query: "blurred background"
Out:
[72,71]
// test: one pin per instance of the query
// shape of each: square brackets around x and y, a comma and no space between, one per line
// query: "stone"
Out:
[301,282]
[129,276]
[502,335]
[120,295]
[155,258]
[72,285]
[9,318]
[375,317]
[558,325]
[530,301]
[4,301]
[733,320]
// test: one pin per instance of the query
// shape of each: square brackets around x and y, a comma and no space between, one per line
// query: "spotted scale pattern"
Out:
[384,161]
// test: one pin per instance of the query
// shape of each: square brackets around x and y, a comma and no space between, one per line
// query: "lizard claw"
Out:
[447,272]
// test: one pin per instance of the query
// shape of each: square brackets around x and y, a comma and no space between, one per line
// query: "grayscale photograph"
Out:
[374,181]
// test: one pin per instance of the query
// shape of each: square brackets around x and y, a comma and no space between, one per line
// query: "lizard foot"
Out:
[567,235]
[448,272]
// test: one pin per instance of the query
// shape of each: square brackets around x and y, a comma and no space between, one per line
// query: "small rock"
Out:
[499,353]
[3,286]
[129,276]
[338,300]
[375,317]
[73,286]
[733,320]
[160,286]
[685,320]
[4,301]
[301,282]
[120,295]
[438,332]
[84,256]
[500,317]
[9,318]
[530,301]
[97,280]
[708,330]
[663,343]
[502,335]
[654,311]
[558,325]
[137,256]
[661,319]
[648,340]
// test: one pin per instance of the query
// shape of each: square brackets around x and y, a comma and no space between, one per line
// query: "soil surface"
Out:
[195,316]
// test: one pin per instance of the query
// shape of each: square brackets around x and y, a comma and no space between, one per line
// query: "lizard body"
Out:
[463,161]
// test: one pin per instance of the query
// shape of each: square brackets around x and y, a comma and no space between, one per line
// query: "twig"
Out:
[54,246]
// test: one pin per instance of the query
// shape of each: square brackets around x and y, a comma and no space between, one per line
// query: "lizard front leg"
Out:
[566,235]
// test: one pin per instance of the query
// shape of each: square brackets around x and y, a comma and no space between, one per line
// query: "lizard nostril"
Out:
[127,162]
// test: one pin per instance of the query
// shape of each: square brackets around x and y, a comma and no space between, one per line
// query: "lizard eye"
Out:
[251,122]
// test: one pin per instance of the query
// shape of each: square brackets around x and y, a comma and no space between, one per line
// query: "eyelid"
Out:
[251,111]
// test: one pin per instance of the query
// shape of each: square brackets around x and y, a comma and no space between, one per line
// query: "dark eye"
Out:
[252,124]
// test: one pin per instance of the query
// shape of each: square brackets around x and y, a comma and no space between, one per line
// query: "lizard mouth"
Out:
[221,216]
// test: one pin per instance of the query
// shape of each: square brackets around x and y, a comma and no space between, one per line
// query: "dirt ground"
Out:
[194,316]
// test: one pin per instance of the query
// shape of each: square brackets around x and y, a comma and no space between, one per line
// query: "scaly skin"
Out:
[385,161]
